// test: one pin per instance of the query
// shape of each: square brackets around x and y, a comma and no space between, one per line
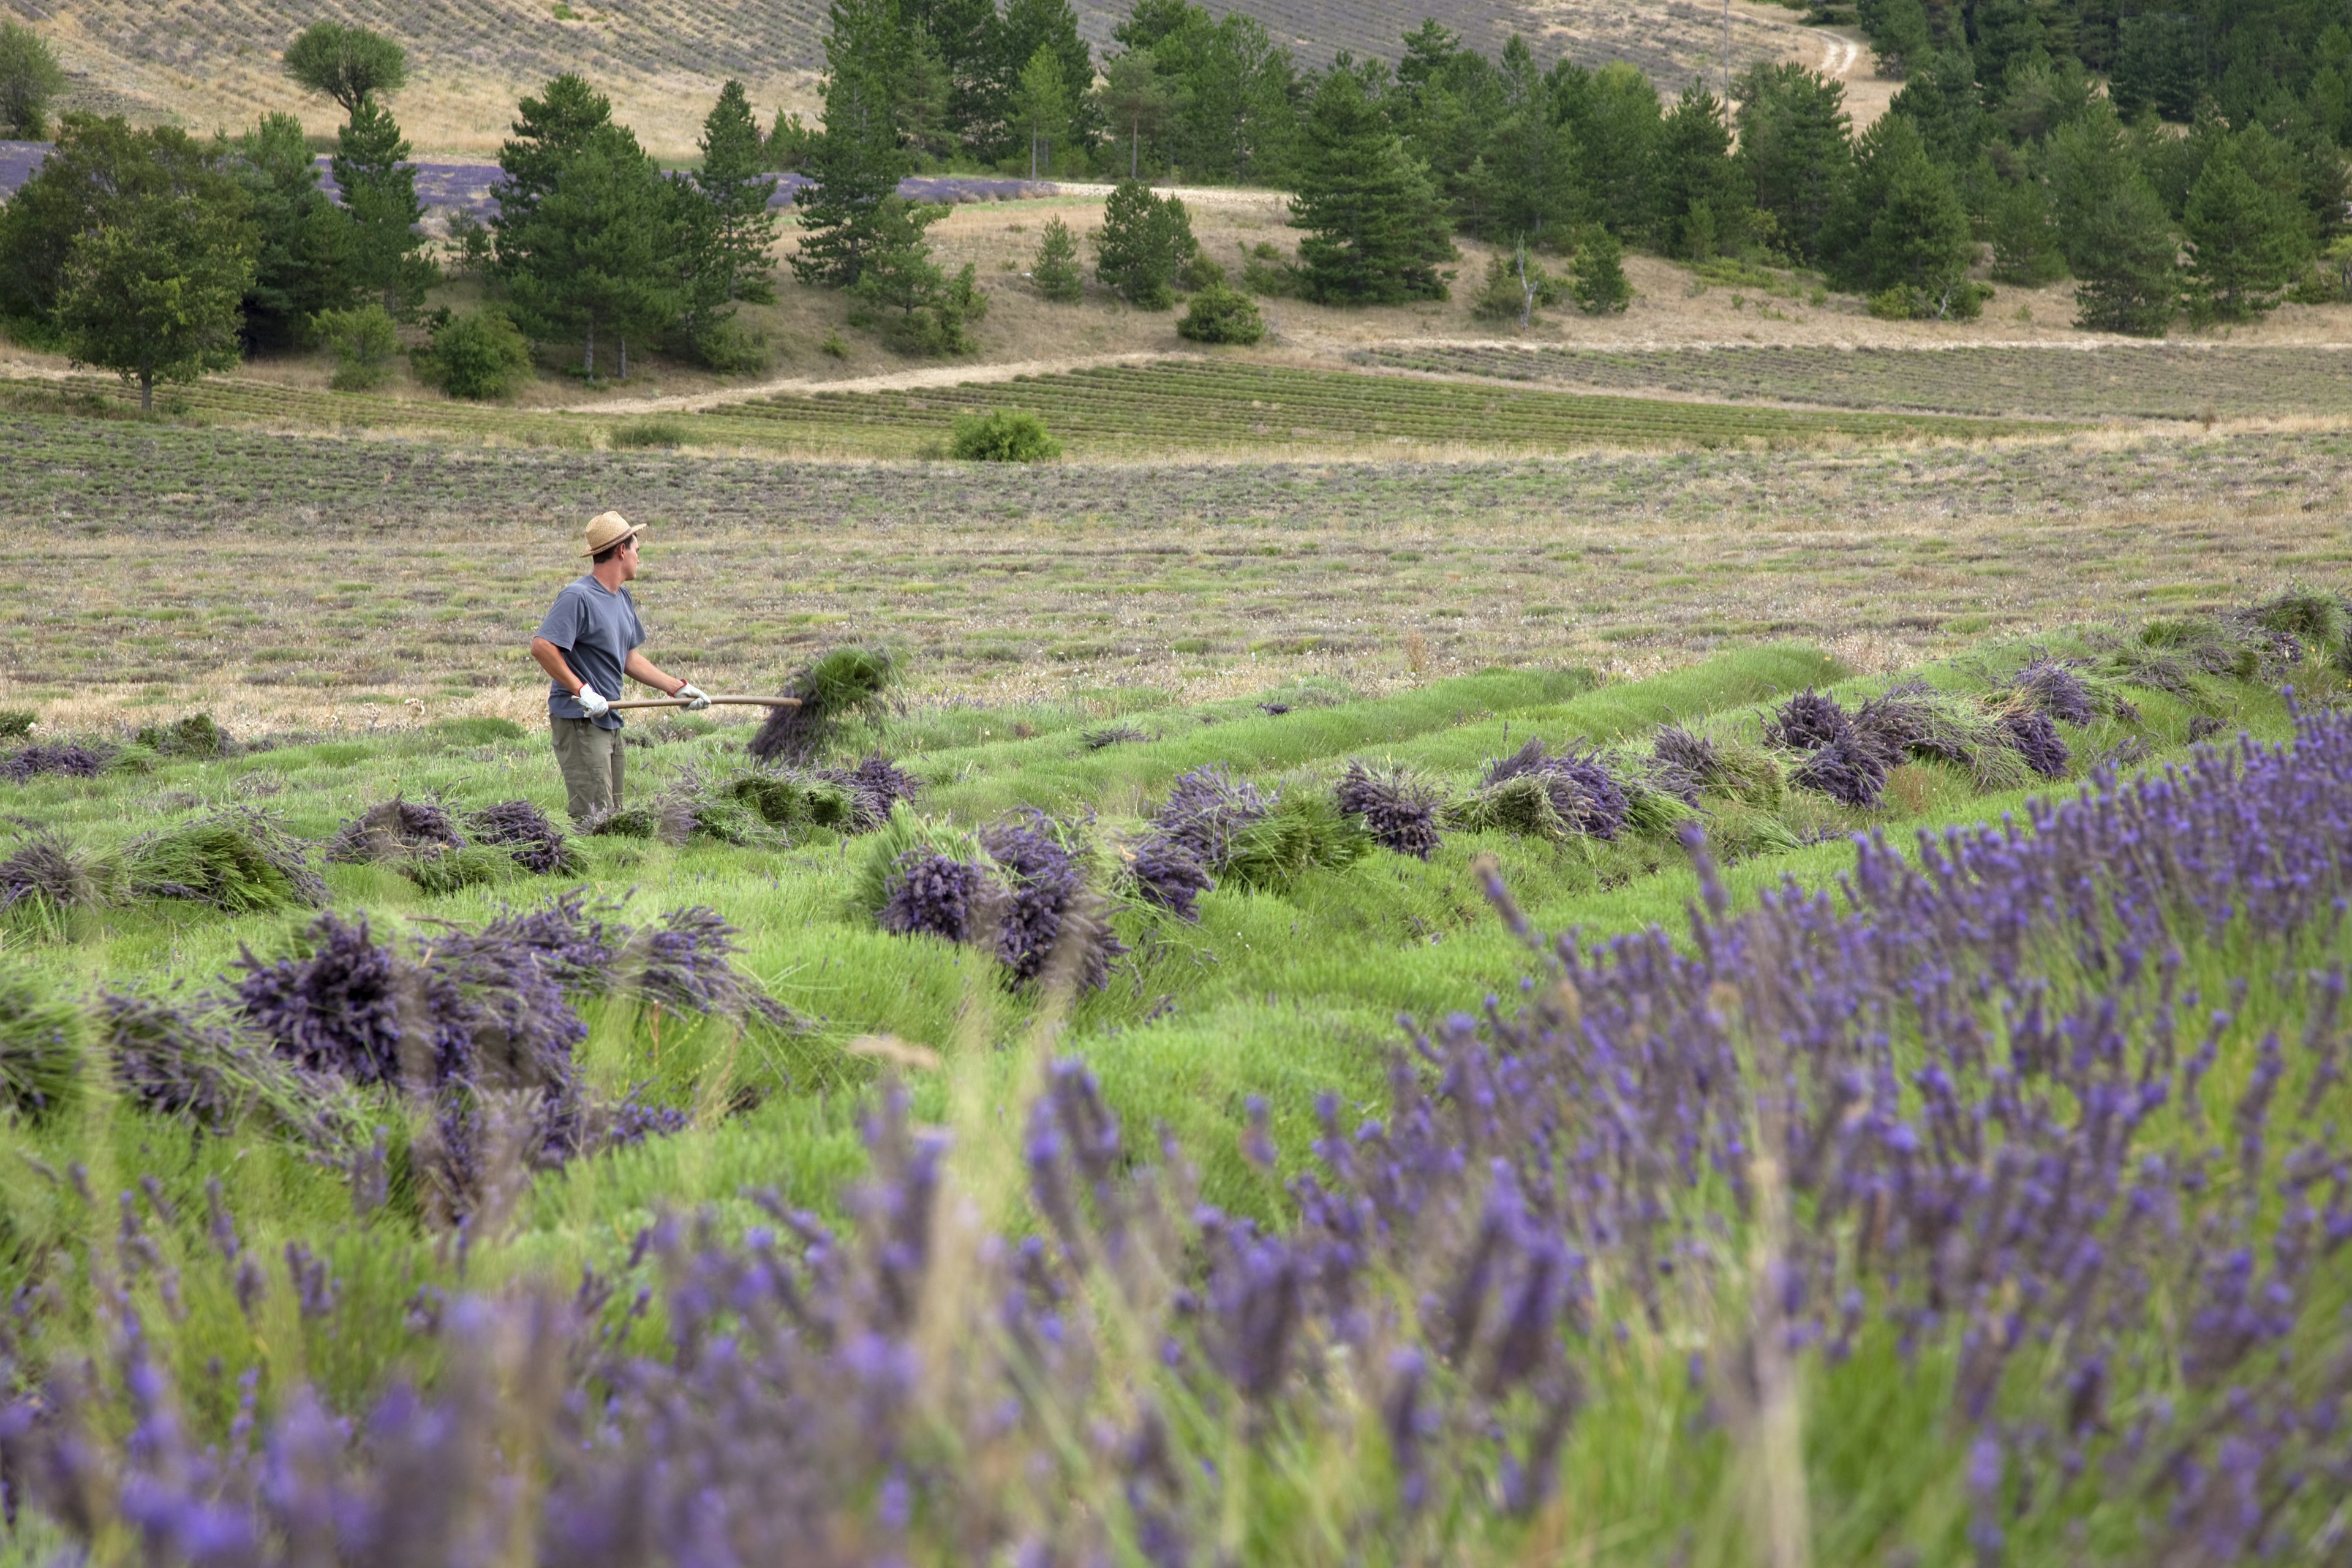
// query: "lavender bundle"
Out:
[524,831]
[2038,742]
[1808,720]
[60,759]
[1191,837]
[240,861]
[394,830]
[931,893]
[2056,689]
[47,877]
[1588,796]
[1050,919]
[1399,813]
[1847,770]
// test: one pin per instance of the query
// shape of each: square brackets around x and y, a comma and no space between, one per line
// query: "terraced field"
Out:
[2152,381]
[1170,407]
[1177,405]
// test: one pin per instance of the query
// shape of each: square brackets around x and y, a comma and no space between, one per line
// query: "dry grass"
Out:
[309,581]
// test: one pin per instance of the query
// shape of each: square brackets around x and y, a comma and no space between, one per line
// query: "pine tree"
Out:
[1133,97]
[2247,236]
[379,192]
[303,265]
[1793,148]
[1375,232]
[598,251]
[1528,181]
[1055,271]
[902,291]
[741,221]
[1143,243]
[1025,28]
[1596,276]
[858,159]
[1042,104]
[549,133]
[1899,225]
[1696,189]
[2126,257]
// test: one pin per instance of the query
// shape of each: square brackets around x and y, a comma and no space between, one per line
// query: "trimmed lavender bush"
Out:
[1400,813]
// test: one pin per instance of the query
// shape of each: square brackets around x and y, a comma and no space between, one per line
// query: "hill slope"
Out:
[215,63]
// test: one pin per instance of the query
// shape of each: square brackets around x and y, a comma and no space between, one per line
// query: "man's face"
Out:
[628,558]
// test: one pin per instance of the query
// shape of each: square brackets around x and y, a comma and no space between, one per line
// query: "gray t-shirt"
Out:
[596,627]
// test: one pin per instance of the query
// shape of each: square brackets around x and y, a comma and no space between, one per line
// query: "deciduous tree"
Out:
[348,64]
[30,77]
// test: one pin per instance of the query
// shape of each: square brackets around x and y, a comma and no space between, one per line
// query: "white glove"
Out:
[700,699]
[593,702]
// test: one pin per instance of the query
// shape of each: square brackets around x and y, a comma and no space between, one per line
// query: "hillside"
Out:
[213,63]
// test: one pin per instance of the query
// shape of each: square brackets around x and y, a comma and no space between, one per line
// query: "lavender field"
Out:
[449,188]
[1172,1131]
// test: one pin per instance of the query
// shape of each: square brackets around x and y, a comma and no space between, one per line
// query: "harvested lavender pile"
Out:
[60,759]
[239,862]
[1537,793]
[1050,920]
[1399,812]
[1191,837]
[524,831]
[1983,1170]
[841,685]
[396,829]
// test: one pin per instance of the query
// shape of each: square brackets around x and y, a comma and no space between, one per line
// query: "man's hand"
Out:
[593,702]
[700,700]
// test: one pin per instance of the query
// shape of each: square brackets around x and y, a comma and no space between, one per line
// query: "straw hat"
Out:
[605,529]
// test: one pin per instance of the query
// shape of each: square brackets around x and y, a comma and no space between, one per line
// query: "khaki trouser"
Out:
[590,760]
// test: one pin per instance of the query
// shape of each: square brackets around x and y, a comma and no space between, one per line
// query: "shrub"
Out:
[842,683]
[194,736]
[479,355]
[1516,288]
[1222,315]
[41,1039]
[239,862]
[2319,618]
[1055,271]
[1963,301]
[363,340]
[1265,274]
[664,433]
[17,723]
[1004,436]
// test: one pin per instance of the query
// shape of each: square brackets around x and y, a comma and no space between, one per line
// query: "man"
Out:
[587,643]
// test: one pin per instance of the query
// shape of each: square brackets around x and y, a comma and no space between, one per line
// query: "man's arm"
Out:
[641,668]
[559,669]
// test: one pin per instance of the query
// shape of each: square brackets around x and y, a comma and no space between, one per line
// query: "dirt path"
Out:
[895,380]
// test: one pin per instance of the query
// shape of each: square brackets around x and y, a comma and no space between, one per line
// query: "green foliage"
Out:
[477,354]
[1220,314]
[623,822]
[348,64]
[1055,271]
[1519,806]
[597,250]
[1265,274]
[194,736]
[30,78]
[789,143]
[869,887]
[788,798]
[43,1039]
[1596,276]
[236,862]
[1134,95]
[1515,289]
[2248,234]
[1793,148]
[1144,242]
[379,190]
[1304,832]
[549,130]
[1212,97]
[2026,243]
[1004,436]
[858,158]
[156,291]
[2160,64]
[17,723]
[305,265]
[1375,232]
[667,434]
[1041,107]
[2320,619]
[363,341]
[1899,230]
[478,730]
[2131,281]
[1698,199]
[728,231]
[901,291]
[453,871]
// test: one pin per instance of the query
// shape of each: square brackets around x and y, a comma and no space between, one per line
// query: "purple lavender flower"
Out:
[934,893]
[1806,721]
[1843,769]
[1400,815]
[2037,740]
